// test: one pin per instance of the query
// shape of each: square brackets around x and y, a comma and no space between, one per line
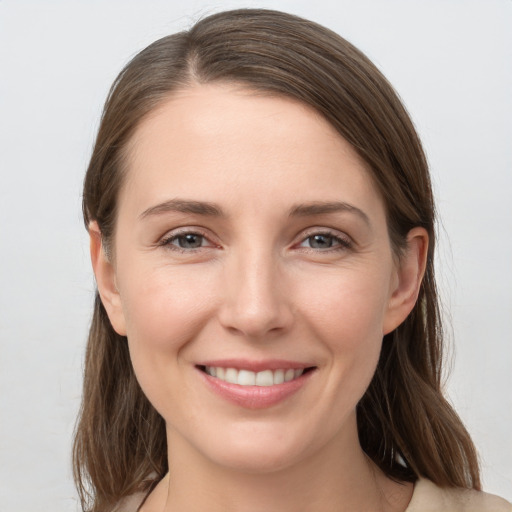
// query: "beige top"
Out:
[427,497]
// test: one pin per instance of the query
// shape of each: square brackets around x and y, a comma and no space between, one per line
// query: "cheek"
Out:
[162,305]
[347,307]
[164,310]
[347,315]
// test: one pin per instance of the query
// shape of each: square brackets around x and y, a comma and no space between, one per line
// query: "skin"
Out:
[257,287]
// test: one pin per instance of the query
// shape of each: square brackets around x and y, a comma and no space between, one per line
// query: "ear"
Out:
[106,280]
[409,274]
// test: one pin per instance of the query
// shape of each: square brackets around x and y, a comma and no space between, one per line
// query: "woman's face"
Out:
[253,276]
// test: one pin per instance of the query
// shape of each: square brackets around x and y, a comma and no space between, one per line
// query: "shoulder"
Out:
[428,497]
[130,503]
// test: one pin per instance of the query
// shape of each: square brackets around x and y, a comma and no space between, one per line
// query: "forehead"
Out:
[226,140]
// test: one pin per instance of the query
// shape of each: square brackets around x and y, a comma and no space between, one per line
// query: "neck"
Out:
[339,478]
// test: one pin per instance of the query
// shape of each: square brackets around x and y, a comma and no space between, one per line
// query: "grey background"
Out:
[451,63]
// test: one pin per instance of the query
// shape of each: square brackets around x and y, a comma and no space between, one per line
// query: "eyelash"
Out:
[342,243]
[167,241]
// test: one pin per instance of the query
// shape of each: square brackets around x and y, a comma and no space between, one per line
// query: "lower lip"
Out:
[255,397]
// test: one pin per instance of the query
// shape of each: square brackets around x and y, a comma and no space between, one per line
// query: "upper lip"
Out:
[256,366]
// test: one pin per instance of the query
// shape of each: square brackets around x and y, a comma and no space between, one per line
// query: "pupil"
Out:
[321,241]
[190,241]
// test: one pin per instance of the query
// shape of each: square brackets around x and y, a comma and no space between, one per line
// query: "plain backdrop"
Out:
[449,60]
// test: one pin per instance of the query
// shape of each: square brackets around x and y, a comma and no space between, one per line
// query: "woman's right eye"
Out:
[186,241]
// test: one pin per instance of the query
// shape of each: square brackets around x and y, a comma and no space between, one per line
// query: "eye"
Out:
[325,241]
[186,241]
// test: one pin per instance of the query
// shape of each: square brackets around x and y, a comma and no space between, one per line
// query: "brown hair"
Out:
[405,424]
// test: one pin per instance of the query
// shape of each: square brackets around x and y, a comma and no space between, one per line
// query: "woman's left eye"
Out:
[324,241]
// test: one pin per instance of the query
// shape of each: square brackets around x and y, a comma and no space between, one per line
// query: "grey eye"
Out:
[320,241]
[189,241]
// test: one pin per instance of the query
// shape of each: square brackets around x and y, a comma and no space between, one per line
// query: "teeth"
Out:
[231,375]
[248,378]
[278,376]
[265,378]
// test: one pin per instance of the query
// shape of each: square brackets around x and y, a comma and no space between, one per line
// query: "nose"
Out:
[256,302]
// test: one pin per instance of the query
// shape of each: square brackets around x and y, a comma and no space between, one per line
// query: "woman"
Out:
[266,333]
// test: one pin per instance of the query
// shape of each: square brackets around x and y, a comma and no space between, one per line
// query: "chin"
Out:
[257,460]
[259,450]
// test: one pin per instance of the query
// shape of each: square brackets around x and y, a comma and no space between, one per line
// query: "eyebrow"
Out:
[184,206]
[212,210]
[322,208]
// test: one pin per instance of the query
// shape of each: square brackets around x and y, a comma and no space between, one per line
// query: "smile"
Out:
[250,378]
[255,385]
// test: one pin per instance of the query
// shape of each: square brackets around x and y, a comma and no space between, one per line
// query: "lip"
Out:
[256,366]
[255,397]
